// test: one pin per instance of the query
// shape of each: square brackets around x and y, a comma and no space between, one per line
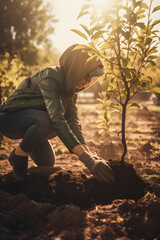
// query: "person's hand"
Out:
[98,167]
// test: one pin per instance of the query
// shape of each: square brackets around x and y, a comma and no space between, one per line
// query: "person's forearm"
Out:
[79,149]
[85,147]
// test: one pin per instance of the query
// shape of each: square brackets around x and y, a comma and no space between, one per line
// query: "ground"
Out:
[71,204]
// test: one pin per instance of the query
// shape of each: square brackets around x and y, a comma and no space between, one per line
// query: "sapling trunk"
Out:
[124,111]
[123,132]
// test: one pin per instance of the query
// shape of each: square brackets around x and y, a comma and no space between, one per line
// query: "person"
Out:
[44,106]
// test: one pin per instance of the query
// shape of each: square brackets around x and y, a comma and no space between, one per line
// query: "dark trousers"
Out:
[34,128]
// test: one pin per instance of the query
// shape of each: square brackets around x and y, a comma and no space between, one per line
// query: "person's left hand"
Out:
[98,167]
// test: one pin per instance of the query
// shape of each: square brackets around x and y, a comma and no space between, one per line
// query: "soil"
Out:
[71,204]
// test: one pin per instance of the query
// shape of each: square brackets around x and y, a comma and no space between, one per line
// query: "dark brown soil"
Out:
[66,187]
[72,205]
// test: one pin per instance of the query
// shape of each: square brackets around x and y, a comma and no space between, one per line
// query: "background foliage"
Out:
[25,41]
[25,26]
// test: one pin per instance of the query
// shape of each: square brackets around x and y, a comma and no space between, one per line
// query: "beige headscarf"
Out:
[75,66]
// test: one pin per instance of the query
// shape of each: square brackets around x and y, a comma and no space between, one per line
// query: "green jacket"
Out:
[45,90]
[49,90]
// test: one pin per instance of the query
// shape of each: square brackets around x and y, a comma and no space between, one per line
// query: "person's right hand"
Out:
[98,167]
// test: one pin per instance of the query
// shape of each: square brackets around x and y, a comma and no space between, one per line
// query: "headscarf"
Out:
[75,66]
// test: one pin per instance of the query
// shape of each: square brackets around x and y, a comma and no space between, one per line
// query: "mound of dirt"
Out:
[65,187]
[142,218]
[147,148]
[25,219]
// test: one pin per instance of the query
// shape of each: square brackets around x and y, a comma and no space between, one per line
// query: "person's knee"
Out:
[41,122]
[43,154]
[43,160]
[44,121]
[50,163]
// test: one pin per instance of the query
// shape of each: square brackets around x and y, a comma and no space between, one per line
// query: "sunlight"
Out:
[67,20]
[101,3]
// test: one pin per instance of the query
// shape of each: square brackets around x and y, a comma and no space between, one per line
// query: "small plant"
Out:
[60,149]
[104,114]
[11,73]
[125,37]
[11,69]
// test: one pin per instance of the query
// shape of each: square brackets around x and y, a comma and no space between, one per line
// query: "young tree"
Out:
[125,38]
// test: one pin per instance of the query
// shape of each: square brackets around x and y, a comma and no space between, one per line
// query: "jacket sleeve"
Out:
[55,110]
[72,118]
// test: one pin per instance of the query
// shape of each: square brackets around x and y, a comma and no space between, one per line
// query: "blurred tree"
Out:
[25,26]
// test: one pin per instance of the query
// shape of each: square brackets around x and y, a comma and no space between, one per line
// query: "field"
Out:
[71,205]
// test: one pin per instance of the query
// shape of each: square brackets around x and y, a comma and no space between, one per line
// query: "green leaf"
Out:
[101,131]
[97,27]
[90,58]
[148,41]
[144,5]
[155,31]
[114,105]
[150,64]
[82,13]
[85,28]
[141,25]
[80,46]
[156,9]
[80,33]
[141,16]
[84,47]
[140,11]
[140,61]
[135,30]
[155,90]
[127,72]
[141,46]
[133,105]
[152,50]
[102,78]
[132,18]
[152,57]
[100,100]
[141,37]
[148,79]
[156,22]
[106,45]
[98,34]
[116,111]
[85,6]
[124,60]
[138,3]
[126,34]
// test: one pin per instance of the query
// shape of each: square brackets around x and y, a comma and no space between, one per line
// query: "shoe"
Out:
[19,164]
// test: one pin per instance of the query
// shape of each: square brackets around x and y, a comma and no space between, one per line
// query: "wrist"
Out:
[85,147]
[86,158]
[78,150]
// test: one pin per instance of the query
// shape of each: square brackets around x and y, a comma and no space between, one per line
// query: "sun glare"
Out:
[101,3]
